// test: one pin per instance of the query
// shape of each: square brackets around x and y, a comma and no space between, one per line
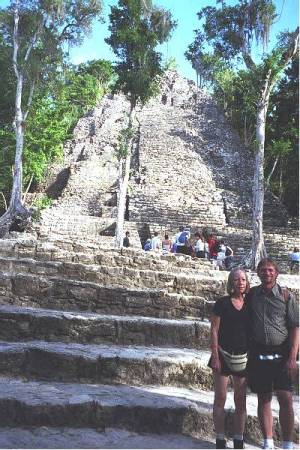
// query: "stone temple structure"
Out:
[106,348]
[189,168]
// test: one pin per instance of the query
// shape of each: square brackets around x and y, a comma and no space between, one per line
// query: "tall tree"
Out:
[282,138]
[37,32]
[232,30]
[136,28]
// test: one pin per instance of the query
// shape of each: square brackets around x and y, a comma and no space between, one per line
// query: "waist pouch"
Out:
[236,363]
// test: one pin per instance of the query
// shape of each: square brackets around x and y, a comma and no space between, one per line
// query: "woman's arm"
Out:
[214,342]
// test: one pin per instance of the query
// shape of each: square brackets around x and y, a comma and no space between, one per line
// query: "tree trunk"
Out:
[258,250]
[16,194]
[280,181]
[16,210]
[123,179]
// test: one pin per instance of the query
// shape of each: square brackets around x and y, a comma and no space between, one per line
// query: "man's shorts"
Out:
[266,376]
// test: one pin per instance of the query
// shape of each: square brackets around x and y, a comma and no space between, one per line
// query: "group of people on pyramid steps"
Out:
[217,251]
[255,341]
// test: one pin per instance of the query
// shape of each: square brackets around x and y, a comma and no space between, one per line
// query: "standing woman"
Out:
[229,345]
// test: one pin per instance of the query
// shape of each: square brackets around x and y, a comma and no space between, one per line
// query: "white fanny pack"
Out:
[236,363]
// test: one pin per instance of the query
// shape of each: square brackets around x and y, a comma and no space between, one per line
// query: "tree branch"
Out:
[29,101]
[15,39]
[4,200]
[63,34]
[289,55]
[271,173]
[33,41]
[27,189]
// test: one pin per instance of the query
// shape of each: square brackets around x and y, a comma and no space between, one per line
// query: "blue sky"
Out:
[185,12]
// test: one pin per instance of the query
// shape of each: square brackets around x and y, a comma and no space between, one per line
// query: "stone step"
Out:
[188,281]
[114,438]
[60,293]
[145,409]
[57,361]
[87,250]
[90,253]
[27,324]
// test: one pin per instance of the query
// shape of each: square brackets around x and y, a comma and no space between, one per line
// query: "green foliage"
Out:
[283,139]
[136,29]
[56,108]
[124,138]
[34,36]
[7,156]
[229,32]
[57,111]
[101,70]
[7,84]
[232,29]
[39,204]
[171,64]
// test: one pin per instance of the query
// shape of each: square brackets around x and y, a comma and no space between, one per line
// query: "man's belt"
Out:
[269,357]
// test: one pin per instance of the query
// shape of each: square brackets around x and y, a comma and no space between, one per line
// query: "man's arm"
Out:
[291,363]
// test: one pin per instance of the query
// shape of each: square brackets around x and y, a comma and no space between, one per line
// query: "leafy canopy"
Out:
[136,29]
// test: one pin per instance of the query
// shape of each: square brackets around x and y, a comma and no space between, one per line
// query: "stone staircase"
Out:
[107,348]
[110,343]
[189,168]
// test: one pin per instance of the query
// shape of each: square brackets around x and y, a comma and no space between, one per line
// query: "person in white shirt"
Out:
[206,250]
[221,254]
[166,244]
[199,246]
[155,242]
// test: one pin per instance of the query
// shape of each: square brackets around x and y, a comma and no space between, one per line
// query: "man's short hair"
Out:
[269,261]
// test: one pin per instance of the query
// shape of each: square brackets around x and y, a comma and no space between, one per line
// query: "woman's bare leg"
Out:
[220,384]
[240,387]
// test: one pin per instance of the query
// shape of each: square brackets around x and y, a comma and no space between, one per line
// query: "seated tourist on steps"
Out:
[126,242]
[228,257]
[221,251]
[166,244]
[155,242]
[181,240]
[294,257]
[199,246]
[147,245]
[229,345]
[212,241]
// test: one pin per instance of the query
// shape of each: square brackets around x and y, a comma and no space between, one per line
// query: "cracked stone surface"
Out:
[46,437]
[106,364]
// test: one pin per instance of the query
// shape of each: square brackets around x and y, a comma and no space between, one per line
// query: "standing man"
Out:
[273,351]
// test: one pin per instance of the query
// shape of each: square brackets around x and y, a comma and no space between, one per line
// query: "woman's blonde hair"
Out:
[230,283]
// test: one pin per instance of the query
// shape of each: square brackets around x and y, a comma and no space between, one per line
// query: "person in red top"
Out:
[212,244]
